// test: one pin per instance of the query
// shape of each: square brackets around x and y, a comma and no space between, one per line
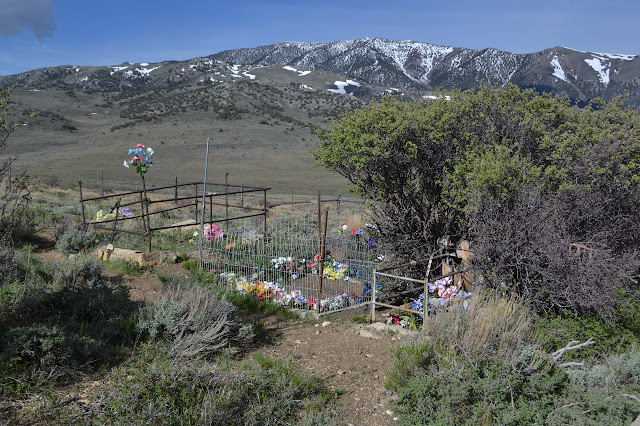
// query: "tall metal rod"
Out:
[204,194]
[195,202]
[264,206]
[142,215]
[323,250]
[226,200]
[320,255]
[146,213]
[373,298]
[425,299]
[210,209]
[175,192]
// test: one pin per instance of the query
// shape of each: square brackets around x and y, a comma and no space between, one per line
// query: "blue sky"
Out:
[42,33]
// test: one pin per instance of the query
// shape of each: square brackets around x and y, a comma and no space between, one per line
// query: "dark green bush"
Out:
[554,331]
[75,241]
[546,192]
[61,322]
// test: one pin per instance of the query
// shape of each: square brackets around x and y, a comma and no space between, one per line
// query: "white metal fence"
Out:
[283,264]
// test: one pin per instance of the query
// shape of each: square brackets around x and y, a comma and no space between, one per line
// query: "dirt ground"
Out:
[350,358]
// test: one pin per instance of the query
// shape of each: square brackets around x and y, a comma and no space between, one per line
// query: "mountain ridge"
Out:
[381,65]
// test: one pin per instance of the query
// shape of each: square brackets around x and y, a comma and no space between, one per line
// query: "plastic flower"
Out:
[125,211]
[371,242]
[140,158]
[212,232]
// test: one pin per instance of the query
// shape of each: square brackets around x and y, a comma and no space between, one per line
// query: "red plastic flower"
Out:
[139,145]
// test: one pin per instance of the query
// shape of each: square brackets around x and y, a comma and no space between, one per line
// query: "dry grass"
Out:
[489,324]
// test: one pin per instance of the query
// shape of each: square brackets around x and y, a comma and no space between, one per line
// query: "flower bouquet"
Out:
[140,159]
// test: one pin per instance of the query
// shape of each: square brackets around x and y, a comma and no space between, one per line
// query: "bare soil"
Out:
[353,365]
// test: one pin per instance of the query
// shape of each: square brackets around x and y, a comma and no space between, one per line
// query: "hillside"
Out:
[262,134]
[261,106]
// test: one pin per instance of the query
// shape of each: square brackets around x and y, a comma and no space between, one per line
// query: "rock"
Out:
[317,331]
[378,326]
[108,252]
[367,334]
[340,372]
[326,323]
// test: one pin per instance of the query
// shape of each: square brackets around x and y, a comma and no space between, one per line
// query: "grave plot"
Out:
[283,263]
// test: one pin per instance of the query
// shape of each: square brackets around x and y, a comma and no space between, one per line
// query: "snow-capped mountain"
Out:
[409,64]
[373,65]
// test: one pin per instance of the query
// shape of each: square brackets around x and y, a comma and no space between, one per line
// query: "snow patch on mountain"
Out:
[558,72]
[300,73]
[341,86]
[616,56]
[601,66]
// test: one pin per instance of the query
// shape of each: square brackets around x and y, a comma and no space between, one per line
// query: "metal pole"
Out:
[195,202]
[204,194]
[373,298]
[264,207]
[226,200]
[146,213]
[84,222]
[425,299]
[175,192]
[102,182]
[321,254]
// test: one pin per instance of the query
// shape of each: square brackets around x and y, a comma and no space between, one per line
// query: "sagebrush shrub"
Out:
[490,324]
[193,318]
[161,390]
[75,241]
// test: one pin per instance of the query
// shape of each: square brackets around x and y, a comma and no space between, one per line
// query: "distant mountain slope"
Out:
[408,64]
[373,65]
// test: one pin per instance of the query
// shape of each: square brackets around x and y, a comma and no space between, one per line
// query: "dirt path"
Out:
[351,358]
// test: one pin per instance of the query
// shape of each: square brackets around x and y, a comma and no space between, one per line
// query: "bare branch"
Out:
[631,396]
[572,364]
[557,354]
